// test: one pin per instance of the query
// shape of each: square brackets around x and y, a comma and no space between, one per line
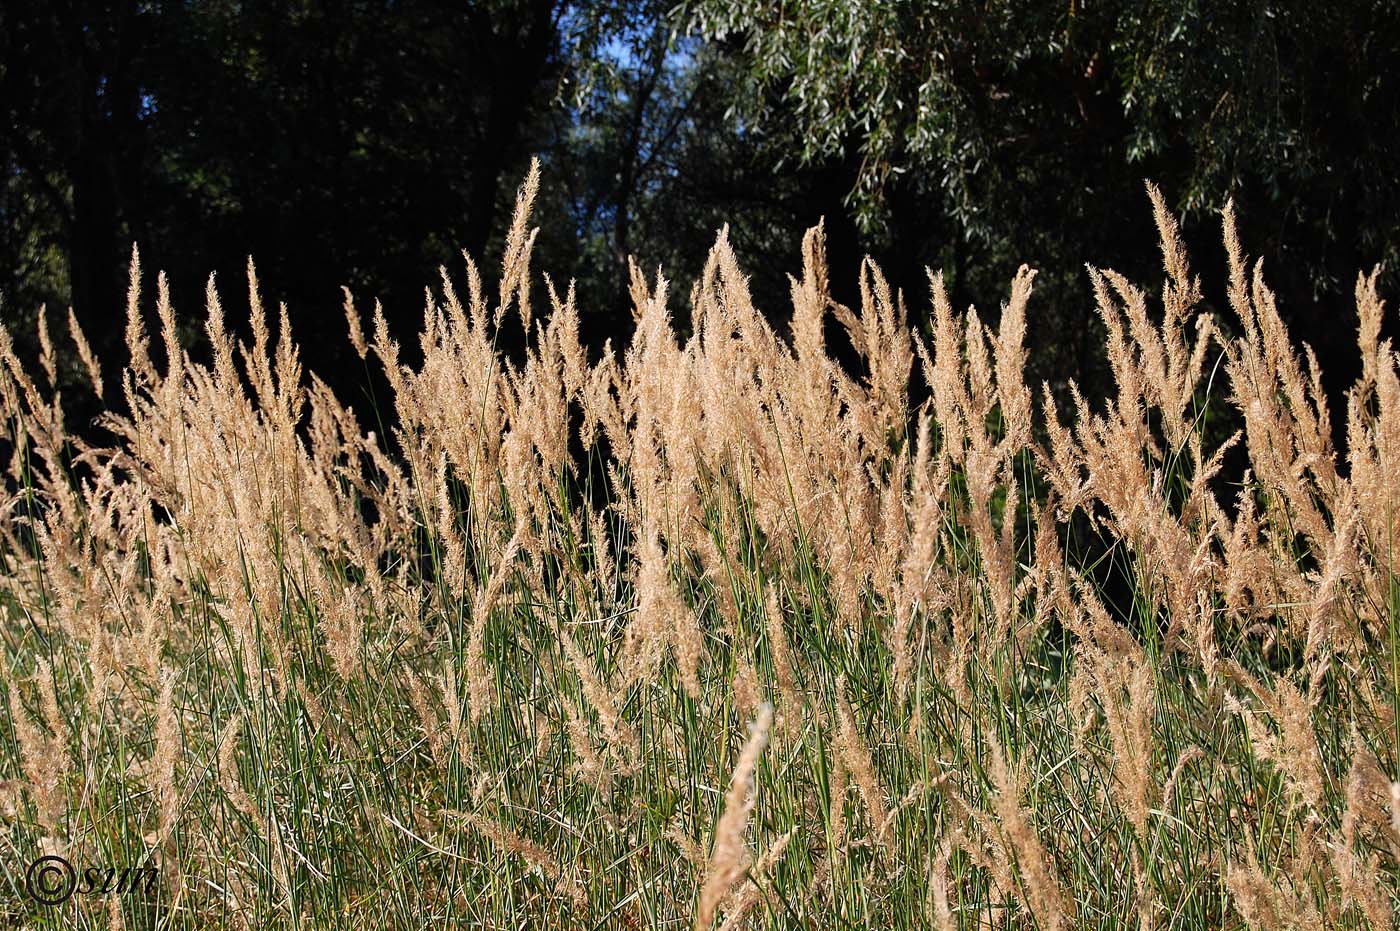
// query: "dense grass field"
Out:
[710,632]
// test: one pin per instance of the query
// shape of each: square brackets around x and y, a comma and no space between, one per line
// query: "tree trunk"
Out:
[513,80]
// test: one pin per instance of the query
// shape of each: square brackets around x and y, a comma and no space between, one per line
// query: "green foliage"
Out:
[365,144]
[981,135]
[956,96]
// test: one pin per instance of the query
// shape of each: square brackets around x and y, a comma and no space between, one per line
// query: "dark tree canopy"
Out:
[989,134]
[367,143]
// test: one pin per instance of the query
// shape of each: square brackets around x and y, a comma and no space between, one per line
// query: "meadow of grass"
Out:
[713,631]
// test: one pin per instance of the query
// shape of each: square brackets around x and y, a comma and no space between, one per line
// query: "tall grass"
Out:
[713,632]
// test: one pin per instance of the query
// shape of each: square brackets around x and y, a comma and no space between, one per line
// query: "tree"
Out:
[73,109]
[359,144]
[991,134]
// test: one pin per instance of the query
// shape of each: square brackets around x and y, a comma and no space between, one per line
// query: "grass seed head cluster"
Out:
[712,631]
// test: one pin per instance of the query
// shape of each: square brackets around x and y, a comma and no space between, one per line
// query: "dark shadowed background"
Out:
[366,143]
